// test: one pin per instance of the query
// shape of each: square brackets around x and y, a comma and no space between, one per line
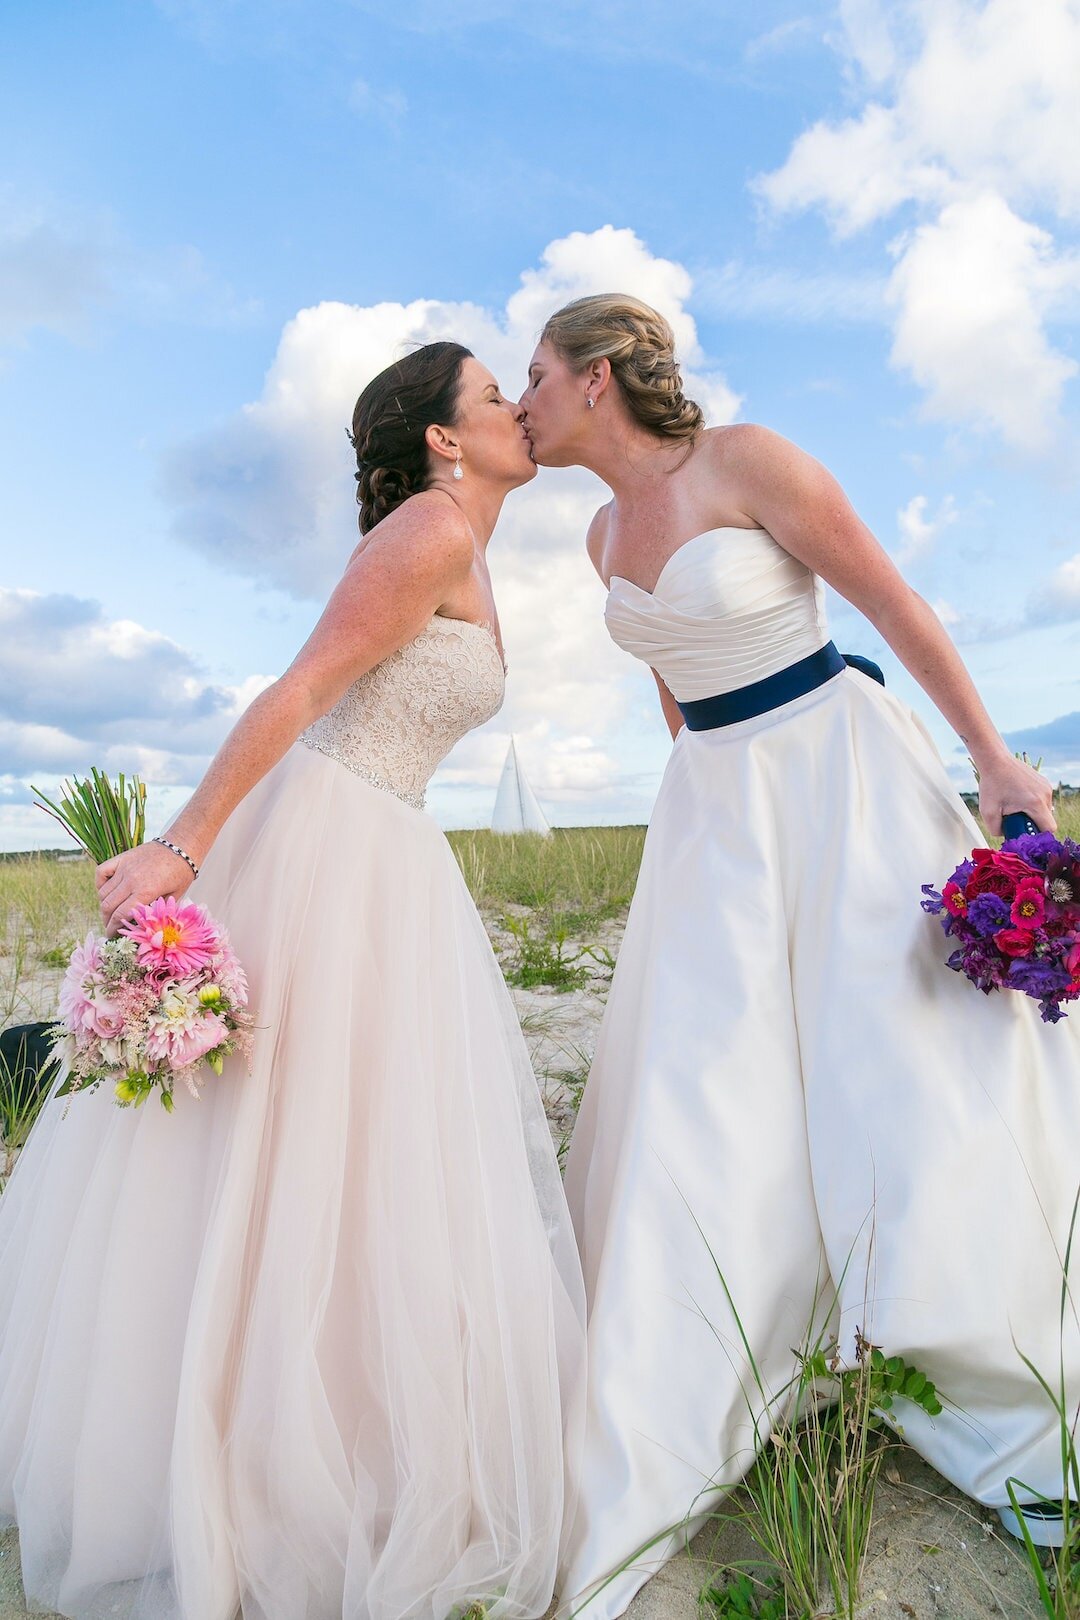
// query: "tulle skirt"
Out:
[306,1348]
[793,1097]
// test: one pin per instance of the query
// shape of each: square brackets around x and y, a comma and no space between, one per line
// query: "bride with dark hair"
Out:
[302,1349]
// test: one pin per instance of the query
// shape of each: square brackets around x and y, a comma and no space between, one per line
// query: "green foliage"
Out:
[21,1098]
[1056,1572]
[586,874]
[543,959]
[744,1599]
[104,817]
[811,1489]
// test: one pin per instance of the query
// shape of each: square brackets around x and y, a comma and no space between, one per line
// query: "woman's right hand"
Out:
[136,878]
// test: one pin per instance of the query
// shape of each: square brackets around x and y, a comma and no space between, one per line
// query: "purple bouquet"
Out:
[1014,913]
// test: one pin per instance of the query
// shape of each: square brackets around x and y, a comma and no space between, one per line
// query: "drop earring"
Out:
[590,402]
[457,467]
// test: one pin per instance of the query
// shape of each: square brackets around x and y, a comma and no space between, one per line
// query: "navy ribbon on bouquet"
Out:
[747,702]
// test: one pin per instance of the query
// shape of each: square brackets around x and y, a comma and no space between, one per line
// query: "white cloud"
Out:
[78,689]
[970,118]
[270,494]
[971,291]
[918,531]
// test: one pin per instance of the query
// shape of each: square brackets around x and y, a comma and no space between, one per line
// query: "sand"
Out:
[934,1554]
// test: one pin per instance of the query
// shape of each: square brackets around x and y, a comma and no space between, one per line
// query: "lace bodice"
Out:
[730,607]
[397,723]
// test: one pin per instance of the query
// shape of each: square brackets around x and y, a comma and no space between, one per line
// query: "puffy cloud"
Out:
[79,689]
[270,492]
[970,117]
[918,531]
[971,291]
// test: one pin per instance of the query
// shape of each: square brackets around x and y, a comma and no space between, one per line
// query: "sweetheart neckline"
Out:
[723,528]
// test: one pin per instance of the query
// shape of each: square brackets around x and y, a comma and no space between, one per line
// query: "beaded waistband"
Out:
[373,779]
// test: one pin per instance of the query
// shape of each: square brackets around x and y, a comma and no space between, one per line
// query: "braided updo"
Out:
[389,421]
[641,348]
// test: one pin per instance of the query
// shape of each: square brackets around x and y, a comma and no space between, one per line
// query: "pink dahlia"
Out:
[85,1005]
[226,971]
[171,937]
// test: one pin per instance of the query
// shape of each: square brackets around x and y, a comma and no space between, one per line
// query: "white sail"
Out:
[516,809]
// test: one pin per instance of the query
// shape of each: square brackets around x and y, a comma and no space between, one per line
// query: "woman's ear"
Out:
[440,442]
[599,375]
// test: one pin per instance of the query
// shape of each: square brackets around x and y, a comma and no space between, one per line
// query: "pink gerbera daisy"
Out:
[178,939]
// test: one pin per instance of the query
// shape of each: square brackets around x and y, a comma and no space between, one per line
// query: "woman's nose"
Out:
[519,411]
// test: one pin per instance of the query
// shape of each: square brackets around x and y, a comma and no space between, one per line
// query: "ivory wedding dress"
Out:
[788,1075]
[304,1350]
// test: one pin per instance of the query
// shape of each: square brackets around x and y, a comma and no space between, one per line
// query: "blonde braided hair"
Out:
[640,345]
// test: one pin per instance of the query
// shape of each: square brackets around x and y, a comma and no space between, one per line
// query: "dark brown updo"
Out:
[388,426]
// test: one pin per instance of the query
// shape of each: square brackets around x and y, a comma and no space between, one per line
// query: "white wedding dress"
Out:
[789,1075]
[305,1349]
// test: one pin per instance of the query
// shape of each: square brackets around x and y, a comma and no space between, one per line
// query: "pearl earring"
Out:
[457,467]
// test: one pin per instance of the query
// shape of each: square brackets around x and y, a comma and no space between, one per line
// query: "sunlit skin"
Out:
[427,557]
[748,477]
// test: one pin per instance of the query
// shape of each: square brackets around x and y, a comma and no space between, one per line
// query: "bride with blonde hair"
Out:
[789,1084]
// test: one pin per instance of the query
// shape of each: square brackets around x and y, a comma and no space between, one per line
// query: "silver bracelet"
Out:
[183,854]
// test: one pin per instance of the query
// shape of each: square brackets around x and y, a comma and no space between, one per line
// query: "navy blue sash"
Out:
[747,702]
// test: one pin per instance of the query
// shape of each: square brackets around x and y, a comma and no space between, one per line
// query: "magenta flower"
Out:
[172,938]
[1029,904]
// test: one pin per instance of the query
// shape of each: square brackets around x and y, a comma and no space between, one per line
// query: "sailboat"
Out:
[516,809]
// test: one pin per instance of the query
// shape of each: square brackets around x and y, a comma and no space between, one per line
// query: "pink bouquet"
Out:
[1015,915]
[152,1006]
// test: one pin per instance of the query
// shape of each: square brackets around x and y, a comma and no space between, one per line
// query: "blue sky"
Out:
[218,218]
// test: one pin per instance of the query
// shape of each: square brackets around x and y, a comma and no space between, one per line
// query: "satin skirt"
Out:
[792,1097]
[306,1348]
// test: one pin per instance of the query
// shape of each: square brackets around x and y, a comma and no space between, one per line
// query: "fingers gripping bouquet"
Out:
[1014,913]
[163,1001]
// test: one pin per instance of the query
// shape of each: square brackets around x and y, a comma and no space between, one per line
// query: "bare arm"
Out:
[386,596]
[803,507]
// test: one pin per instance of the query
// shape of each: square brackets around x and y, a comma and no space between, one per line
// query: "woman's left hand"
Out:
[1007,784]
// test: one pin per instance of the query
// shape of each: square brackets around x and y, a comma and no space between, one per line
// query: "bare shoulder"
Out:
[596,538]
[749,447]
[425,536]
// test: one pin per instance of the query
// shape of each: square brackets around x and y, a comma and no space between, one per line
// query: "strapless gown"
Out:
[304,1350]
[789,1075]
